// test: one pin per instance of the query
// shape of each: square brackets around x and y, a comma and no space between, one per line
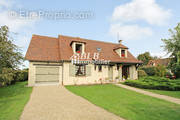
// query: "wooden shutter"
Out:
[88,70]
[72,70]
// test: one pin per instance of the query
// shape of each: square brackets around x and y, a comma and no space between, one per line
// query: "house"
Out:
[54,61]
[156,62]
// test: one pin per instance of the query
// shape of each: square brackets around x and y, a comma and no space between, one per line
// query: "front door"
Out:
[125,72]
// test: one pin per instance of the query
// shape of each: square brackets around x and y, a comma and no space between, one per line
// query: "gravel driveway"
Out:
[57,103]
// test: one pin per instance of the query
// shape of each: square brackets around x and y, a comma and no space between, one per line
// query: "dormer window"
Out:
[78,48]
[123,53]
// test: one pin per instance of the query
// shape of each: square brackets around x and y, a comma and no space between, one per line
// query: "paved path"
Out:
[57,103]
[164,97]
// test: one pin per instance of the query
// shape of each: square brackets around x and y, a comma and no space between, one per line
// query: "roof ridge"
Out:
[88,39]
[93,40]
[33,35]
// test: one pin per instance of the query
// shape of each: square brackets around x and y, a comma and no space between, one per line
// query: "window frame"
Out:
[82,69]
[123,55]
[95,67]
[118,67]
[80,47]
[99,68]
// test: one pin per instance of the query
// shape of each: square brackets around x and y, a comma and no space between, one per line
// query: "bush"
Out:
[151,71]
[141,73]
[176,70]
[160,71]
[158,83]
[7,77]
[21,75]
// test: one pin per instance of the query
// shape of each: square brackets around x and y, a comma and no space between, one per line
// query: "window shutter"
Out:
[88,70]
[72,70]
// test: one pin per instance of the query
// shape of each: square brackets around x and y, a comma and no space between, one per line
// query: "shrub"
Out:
[151,71]
[141,73]
[7,77]
[159,83]
[21,75]
[160,71]
[176,69]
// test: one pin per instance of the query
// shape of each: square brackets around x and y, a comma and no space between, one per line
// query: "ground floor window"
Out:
[118,66]
[94,66]
[80,70]
[100,68]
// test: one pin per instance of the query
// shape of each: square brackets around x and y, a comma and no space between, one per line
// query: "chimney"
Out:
[120,41]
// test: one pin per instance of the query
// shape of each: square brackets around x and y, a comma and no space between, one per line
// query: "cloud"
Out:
[23,27]
[147,10]
[15,24]
[129,32]
[160,54]
[5,3]
[127,18]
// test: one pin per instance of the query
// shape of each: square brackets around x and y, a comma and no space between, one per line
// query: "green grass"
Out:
[13,99]
[175,94]
[128,104]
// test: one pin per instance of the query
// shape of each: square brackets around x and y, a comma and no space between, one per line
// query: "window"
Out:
[117,67]
[80,70]
[100,68]
[94,67]
[78,48]
[122,53]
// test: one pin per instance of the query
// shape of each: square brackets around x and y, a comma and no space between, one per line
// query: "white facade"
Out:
[38,74]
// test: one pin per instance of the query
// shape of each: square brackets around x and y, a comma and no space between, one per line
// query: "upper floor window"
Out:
[78,48]
[123,53]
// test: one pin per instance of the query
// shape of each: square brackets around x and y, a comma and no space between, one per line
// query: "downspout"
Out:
[59,47]
[62,72]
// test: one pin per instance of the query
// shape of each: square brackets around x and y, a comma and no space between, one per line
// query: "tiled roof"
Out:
[156,62]
[44,48]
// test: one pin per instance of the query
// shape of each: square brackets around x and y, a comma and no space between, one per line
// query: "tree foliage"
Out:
[172,47]
[10,56]
[145,57]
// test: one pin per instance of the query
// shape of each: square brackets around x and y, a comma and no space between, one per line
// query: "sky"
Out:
[141,24]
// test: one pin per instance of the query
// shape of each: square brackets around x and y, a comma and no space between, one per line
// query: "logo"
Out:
[87,58]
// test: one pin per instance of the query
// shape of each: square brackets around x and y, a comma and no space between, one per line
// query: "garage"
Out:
[48,74]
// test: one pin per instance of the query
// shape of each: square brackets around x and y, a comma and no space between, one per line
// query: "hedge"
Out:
[158,83]
[9,76]
[151,71]
[21,75]
[141,73]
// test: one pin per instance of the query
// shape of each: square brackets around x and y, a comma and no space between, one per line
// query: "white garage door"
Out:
[46,74]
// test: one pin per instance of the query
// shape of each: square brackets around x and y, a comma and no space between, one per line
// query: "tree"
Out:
[10,56]
[160,70]
[145,57]
[172,47]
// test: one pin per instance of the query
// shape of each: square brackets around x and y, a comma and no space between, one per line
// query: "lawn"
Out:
[128,104]
[175,94]
[13,99]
